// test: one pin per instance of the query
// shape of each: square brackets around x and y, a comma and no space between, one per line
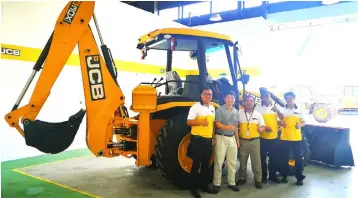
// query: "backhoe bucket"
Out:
[329,145]
[52,137]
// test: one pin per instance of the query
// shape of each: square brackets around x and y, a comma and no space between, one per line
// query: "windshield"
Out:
[176,50]
[351,90]
[217,63]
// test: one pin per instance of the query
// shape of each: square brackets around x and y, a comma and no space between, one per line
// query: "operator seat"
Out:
[224,87]
[173,88]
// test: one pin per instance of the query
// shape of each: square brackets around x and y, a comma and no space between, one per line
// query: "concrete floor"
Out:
[119,177]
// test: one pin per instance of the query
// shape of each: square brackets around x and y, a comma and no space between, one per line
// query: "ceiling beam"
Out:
[148,6]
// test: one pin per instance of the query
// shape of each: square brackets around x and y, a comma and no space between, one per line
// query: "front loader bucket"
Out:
[52,137]
[329,145]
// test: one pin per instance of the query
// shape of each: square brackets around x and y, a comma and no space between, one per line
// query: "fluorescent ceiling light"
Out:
[215,17]
[328,2]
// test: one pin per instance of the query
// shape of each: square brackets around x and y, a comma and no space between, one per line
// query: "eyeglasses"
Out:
[207,94]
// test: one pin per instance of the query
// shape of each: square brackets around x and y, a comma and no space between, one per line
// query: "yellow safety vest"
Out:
[252,133]
[290,133]
[204,131]
[271,121]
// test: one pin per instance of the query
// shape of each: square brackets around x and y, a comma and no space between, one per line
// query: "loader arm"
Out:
[104,99]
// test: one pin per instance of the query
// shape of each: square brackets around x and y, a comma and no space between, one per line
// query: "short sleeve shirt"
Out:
[291,117]
[226,117]
[256,117]
[293,112]
[249,124]
[199,111]
[271,119]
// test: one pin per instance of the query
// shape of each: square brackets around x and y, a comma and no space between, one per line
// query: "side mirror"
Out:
[144,53]
[244,78]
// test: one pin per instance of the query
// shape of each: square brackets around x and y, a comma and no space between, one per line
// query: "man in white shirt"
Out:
[291,138]
[269,138]
[201,119]
[251,125]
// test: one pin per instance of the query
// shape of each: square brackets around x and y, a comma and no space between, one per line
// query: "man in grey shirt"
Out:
[226,142]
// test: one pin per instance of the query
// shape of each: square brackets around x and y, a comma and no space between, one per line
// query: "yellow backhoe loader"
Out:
[158,135]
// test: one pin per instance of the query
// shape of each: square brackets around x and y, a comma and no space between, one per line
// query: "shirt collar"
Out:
[295,107]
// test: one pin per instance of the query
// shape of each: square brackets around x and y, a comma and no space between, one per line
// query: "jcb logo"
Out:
[8,51]
[71,12]
[95,77]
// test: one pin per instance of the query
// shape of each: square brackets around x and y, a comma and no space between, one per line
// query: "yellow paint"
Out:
[204,131]
[271,121]
[47,163]
[185,161]
[51,182]
[290,132]
[57,184]
[251,128]
[31,55]
[321,113]
[182,31]
[291,162]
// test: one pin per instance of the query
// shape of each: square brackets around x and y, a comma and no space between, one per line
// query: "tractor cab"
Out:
[199,46]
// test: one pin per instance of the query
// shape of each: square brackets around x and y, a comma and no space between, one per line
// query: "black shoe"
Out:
[264,180]
[212,189]
[284,180]
[274,179]
[195,194]
[299,182]
[258,184]
[241,182]
[234,188]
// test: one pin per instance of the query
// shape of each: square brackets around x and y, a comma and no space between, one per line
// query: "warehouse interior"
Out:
[307,47]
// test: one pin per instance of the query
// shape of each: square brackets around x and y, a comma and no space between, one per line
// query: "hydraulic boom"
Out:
[106,113]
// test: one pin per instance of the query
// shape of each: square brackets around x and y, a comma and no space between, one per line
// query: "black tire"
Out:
[166,151]
[331,112]
[154,163]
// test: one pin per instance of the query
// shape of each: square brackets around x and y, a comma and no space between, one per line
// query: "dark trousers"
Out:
[296,148]
[269,148]
[200,152]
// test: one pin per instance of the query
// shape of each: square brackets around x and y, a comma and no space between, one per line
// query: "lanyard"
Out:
[248,119]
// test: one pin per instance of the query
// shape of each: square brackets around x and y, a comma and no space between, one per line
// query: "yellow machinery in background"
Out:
[349,99]
[158,135]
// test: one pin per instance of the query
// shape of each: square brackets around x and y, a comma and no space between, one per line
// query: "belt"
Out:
[224,135]
[199,137]
[250,139]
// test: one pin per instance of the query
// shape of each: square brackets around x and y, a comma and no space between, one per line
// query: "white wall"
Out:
[252,35]
[30,26]
[323,54]
[326,59]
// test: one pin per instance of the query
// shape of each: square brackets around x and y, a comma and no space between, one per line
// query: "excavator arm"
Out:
[104,99]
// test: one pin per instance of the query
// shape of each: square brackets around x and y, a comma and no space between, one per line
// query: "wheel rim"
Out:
[184,161]
[321,113]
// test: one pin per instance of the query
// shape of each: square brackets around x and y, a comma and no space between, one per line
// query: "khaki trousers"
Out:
[225,147]
[252,149]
